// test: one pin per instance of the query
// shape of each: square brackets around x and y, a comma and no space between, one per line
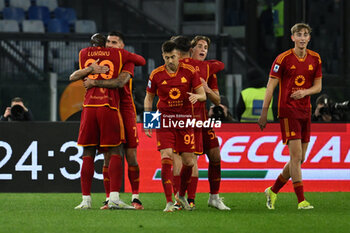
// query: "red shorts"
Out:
[101,126]
[129,118]
[295,129]
[210,140]
[198,140]
[180,140]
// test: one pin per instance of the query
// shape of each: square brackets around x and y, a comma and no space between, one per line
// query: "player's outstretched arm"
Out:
[138,60]
[147,105]
[118,82]
[271,85]
[215,66]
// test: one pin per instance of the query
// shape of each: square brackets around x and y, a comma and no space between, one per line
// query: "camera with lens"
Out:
[331,111]
[335,108]
[218,113]
[17,113]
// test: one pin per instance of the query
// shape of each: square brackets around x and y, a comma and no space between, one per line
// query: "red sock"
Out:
[115,171]
[185,174]
[134,178]
[299,191]
[192,188]
[279,183]
[106,182]
[214,177]
[166,174]
[86,175]
[176,184]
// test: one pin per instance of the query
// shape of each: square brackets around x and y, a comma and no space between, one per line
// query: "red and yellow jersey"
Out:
[125,93]
[206,70]
[114,59]
[172,88]
[295,74]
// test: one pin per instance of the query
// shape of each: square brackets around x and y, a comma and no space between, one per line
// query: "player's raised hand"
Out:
[148,132]
[88,83]
[193,97]
[262,122]
[97,69]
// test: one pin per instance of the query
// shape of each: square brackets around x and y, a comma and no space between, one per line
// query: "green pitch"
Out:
[46,213]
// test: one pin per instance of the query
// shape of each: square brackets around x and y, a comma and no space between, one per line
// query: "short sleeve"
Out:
[276,69]
[129,68]
[213,82]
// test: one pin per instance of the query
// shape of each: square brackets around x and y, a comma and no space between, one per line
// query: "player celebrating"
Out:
[101,123]
[127,109]
[173,83]
[299,75]
[205,138]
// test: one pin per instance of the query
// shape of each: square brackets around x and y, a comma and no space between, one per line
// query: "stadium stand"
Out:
[2,5]
[33,26]
[51,4]
[67,14]
[57,26]
[85,26]
[9,26]
[14,13]
[39,13]
[24,4]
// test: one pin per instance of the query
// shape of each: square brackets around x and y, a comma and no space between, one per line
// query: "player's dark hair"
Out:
[98,40]
[183,43]
[168,46]
[118,34]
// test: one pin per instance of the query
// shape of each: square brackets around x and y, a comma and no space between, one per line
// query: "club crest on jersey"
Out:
[183,80]
[149,84]
[311,67]
[299,80]
[174,93]
[276,68]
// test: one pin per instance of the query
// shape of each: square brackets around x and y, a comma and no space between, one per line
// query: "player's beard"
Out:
[172,67]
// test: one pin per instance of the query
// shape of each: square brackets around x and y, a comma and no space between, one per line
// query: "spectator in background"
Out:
[17,111]
[221,111]
[327,111]
[251,99]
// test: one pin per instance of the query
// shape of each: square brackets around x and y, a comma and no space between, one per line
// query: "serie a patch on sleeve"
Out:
[276,68]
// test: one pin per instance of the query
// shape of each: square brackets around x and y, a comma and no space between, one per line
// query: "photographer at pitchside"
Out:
[17,112]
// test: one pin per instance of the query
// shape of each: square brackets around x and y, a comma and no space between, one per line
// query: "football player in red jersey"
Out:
[174,83]
[115,39]
[298,72]
[101,105]
[205,138]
